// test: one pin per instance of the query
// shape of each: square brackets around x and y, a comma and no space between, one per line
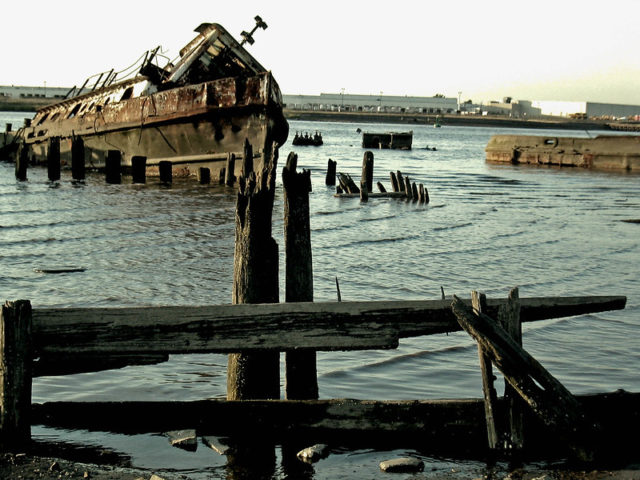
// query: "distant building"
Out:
[591,110]
[371,103]
[17,92]
[513,109]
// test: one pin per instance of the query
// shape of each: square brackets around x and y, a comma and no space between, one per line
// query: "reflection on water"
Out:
[548,231]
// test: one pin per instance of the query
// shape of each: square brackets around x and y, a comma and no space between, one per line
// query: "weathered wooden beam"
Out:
[287,326]
[372,195]
[479,303]
[330,178]
[546,396]
[447,426]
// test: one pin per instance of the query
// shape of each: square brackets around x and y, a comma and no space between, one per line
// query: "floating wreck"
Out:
[192,113]
[608,152]
[393,140]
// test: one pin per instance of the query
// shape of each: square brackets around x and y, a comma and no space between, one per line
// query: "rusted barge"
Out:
[192,113]
[604,152]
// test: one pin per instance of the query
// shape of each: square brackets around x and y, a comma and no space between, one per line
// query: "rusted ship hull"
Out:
[605,152]
[193,113]
[193,126]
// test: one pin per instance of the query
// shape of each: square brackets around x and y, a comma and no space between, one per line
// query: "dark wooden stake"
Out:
[426,195]
[255,278]
[414,192]
[204,176]
[53,159]
[547,397]
[364,192]
[407,188]
[230,170]
[15,374]
[421,197]
[381,187]
[77,158]
[22,163]
[139,169]
[509,318]
[166,171]
[367,170]
[113,166]
[301,381]
[479,304]
[330,179]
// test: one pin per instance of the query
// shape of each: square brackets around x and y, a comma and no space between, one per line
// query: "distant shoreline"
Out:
[33,104]
[430,119]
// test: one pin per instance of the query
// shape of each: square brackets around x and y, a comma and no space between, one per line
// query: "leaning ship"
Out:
[193,113]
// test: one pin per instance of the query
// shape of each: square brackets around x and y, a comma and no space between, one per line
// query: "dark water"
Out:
[548,231]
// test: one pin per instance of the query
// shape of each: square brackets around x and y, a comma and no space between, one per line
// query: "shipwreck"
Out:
[604,152]
[192,113]
[392,140]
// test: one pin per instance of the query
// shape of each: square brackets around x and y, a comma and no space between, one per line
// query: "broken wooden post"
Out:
[113,165]
[139,169]
[301,382]
[53,159]
[347,184]
[394,182]
[330,179]
[421,197]
[230,169]
[222,174]
[22,162]
[367,170]
[547,397]
[255,278]
[166,171]
[204,176]
[77,158]
[414,192]
[247,159]
[426,195]
[15,374]
[509,318]
[381,187]
[479,304]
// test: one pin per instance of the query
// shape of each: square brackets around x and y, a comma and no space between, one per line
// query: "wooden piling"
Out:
[479,304]
[301,382]
[509,318]
[367,170]
[22,162]
[139,169]
[407,188]
[15,374]
[426,195]
[401,182]
[247,159]
[53,159]
[230,169]
[204,176]
[414,192]
[381,187]
[165,168]
[394,182]
[421,197]
[364,192]
[113,166]
[330,179]
[77,158]
[255,278]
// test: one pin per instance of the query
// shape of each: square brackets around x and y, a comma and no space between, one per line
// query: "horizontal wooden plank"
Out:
[446,426]
[281,326]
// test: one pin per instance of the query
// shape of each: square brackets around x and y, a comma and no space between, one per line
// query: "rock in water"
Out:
[402,465]
[314,453]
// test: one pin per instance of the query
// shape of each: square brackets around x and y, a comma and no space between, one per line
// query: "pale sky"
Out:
[487,49]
